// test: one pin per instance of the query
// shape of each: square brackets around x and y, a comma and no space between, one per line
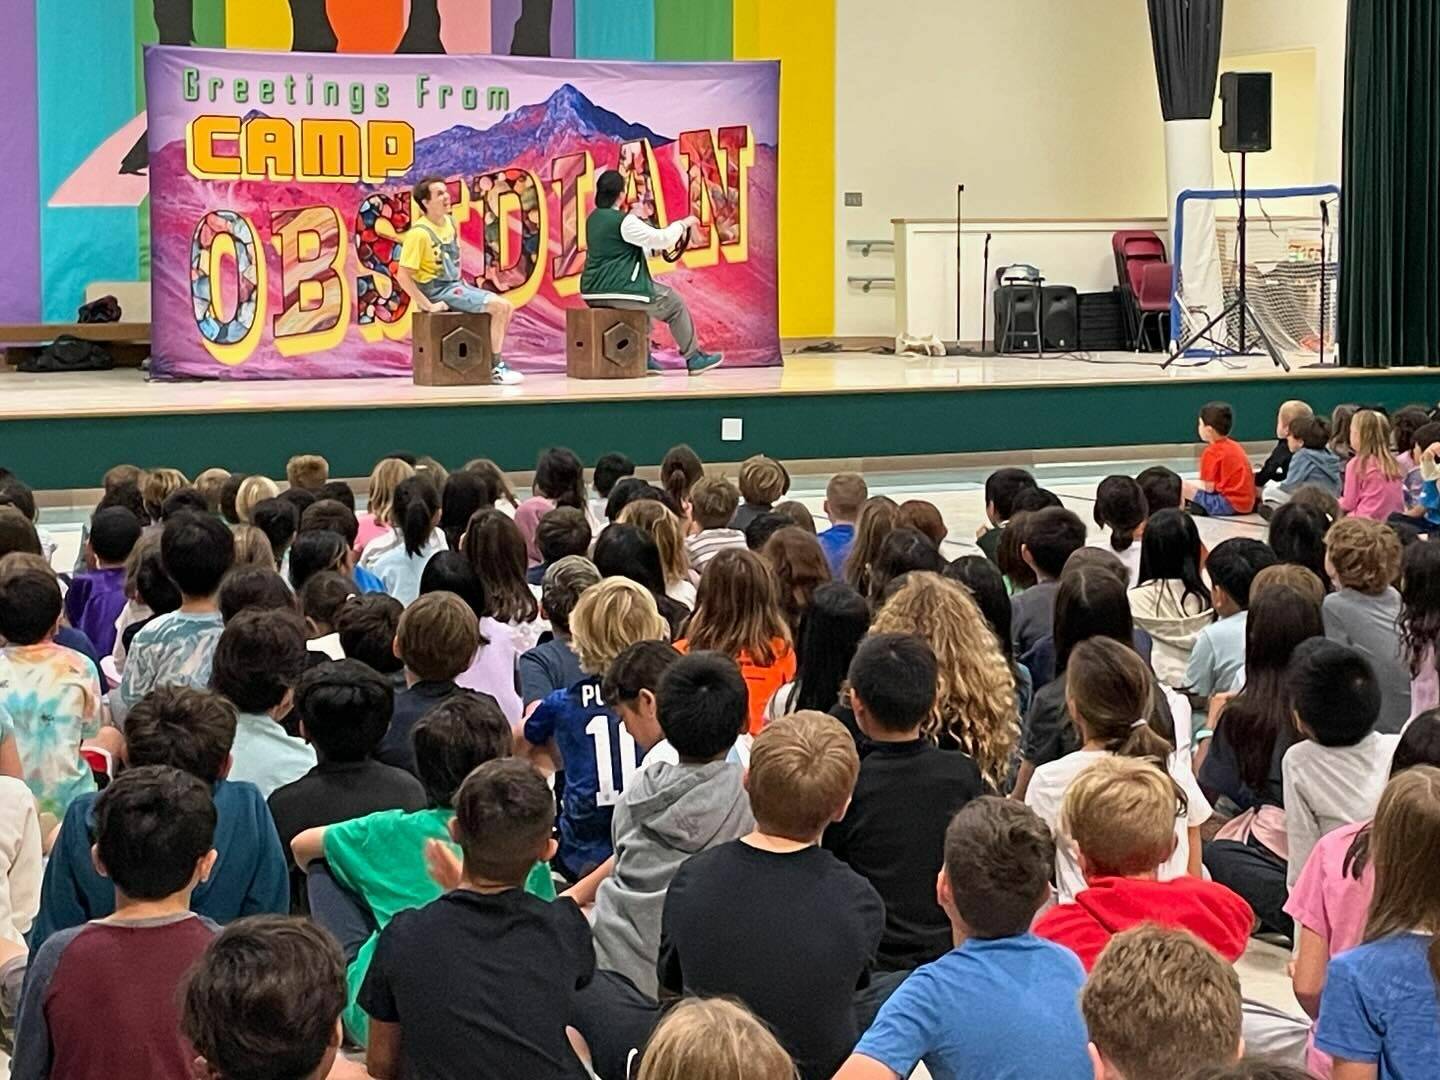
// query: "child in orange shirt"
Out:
[1227,484]
[738,613]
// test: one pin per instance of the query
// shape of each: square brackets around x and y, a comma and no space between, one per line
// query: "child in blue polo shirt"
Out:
[585,736]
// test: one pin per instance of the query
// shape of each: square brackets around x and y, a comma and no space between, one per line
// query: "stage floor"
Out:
[61,431]
[126,392]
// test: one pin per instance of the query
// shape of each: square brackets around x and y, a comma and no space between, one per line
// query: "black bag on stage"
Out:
[67,353]
[105,309]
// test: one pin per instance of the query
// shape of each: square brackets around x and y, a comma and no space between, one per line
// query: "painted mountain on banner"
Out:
[531,131]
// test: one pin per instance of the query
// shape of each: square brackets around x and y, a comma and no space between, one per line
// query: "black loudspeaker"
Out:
[1245,112]
[1015,319]
[1062,318]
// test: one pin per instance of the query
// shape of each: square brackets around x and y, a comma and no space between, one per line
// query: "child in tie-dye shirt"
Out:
[49,695]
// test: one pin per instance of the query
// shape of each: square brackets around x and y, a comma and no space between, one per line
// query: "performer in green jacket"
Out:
[617,274]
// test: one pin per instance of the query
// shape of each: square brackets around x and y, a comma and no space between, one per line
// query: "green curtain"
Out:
[1390,207]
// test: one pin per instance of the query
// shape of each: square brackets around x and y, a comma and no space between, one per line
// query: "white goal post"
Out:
[1292,269]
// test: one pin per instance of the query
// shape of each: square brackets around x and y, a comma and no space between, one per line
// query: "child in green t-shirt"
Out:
[363,872]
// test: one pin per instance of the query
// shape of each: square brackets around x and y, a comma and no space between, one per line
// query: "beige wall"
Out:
[1046,108]
[1257,26]
[1043,108]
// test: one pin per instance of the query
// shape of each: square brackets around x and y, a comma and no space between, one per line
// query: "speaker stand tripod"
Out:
[1240,307]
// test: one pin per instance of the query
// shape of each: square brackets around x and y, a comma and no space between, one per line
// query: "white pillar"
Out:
[1189,164]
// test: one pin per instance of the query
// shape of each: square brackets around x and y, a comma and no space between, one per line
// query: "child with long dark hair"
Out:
[1243,759]
[415,516]
[830,631]
[1110,693]
[1172,602]
[1379,1015]
[559,481]
[495,548]
[1420,622]
[1331,899]
[1297,535]
[1120,507]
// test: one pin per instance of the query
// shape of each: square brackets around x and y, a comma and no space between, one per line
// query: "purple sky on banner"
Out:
[19,209]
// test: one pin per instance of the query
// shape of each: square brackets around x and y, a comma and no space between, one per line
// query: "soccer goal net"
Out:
[1292,271]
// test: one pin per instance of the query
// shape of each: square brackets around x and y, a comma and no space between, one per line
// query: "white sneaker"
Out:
[501,375]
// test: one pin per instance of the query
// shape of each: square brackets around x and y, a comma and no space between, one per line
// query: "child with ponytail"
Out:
[415,516]
[1379,1014]
[1108,691]
[1121,508]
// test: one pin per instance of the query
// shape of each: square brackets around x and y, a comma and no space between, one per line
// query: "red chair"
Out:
[1153,298]
[1136,252]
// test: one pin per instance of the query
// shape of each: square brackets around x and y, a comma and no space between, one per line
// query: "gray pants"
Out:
[669,307]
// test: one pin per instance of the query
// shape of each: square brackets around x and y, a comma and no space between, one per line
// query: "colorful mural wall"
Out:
[72,74]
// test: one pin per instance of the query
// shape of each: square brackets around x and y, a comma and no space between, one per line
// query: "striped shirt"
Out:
[705,545]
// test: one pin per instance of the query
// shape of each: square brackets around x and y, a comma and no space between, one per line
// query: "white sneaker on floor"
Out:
[501,375]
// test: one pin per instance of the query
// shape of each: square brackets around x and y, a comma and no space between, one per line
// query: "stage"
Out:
[60,431]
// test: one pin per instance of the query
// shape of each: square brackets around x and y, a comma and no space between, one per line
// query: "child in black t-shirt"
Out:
[484,974]
[893,833]
[773,919]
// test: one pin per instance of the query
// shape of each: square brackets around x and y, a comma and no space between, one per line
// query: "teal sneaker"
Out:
[652,366]
[702,362]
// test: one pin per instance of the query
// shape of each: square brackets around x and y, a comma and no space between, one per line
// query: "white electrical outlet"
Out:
[732,429]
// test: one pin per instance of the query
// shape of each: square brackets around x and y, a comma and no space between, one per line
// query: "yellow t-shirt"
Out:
[421,255]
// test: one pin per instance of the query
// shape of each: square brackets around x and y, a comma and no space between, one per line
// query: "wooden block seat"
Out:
[606,343]
[451,348]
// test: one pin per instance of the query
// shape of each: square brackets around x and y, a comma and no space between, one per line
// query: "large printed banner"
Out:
[280,192]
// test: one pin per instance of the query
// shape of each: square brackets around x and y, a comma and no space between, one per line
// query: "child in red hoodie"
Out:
[1120,813]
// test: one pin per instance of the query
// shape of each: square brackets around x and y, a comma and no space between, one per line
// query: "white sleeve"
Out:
[637,232]
[1301,828]
[26,869]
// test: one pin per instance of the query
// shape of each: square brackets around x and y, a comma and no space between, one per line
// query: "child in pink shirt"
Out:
[1374,486]
[1331,898]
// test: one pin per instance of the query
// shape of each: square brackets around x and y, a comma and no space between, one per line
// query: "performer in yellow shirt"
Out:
[430,272]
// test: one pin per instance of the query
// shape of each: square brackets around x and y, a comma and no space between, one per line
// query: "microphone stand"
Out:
[1324,284]
[957,349]
[985,294]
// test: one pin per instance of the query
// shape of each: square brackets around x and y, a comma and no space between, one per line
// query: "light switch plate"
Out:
[732,429]
[854,198]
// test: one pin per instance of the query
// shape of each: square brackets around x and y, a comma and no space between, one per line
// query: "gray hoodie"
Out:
[666,814]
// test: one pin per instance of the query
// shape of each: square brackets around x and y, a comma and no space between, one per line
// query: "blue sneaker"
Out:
[501,375]
[652,366]
[702,362]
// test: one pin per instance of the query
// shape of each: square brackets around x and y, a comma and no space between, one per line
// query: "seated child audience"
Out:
[1121,509]
[310,472]
[589,743]
[987,587]
[49,695]
[399,560]
[1107,686]
[436,638]
[264,1003]
[1243,759]
[799,966]
[1379,1014]
[1332,895]
[797,513]
[258,660]
[320,603]
[903,551]
[463,495]
[375,866]
[191,730]
[344,708]
[1363,560]
[831,628]
[1422,483]
[717,1039]
[486,972]
[1002,1002]
[763,482]
[496,549]
[1172,602]
[609,470]
[1334,776]
[1120,814]
[279,520]
[553,665]
[1001,487]
[492,669]
[1160,1003]
[21,867]
[1227,483]
[893,833]
[1277,466]
[1312,463]
[925,518]
[738,613]
[713,501]
[1217,659]
[1162,488]
[669,812]
[631,551]
[1297,536]
[177,649]
[367,626]
[374,522]
[561,532]
[559,482]
[668,531]
[845,494]
[97,596]
[1419,622]
[252,548]
[877,520]
[316,552]
[1048,538]
[1373,486]
[101,999]
[253,588]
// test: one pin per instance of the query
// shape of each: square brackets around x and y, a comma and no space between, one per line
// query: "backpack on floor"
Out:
[68,353]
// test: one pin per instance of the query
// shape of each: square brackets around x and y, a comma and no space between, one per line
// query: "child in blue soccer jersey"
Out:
[592,746]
